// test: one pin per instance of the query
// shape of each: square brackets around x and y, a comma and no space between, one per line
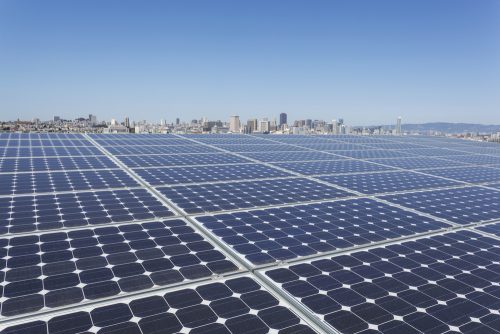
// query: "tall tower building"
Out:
[234,124]
[252,125]
[398,126]
[283,119]
[127,122]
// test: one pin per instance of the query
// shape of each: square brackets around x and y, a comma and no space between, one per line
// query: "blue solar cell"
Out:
[226,313]
[402,300]
[376,154]
[180,160]
[289,232]
[248,194]
[46,212]
[291,156]
[25,183]
[467,174]
[131,257]
[177,175]
[53,164]
[159,149]
[418,162]
[372,183]
[331,167]
[461,205]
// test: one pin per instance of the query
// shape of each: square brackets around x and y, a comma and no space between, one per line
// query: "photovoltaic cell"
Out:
[180,160]
[24,183]
[467,174]
[21,214]
[490,228]
[461,205]
[291,156]
[376,154]
[372,183]
[62,268]
[476,159]
[248,194]
[177,175]
[269,235]
[54,164]
[418,163]
[160,149]
[441,284]
[238,305]
[332,167]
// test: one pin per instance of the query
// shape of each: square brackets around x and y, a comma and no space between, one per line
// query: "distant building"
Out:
[57,119]
[127,122]
[252,125]
[177,121]
[234,124]
[163,122]
[309,123]
[264,126]
[92,119]
[283,119]
[398,126]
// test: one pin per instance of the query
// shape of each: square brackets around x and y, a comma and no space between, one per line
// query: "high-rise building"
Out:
[264,125]
[177,121]
[252,125]
[309,123]
[234,124]
[92,119]
[283,119]
[398,126]
[163,122]
[57,119]
[127,122]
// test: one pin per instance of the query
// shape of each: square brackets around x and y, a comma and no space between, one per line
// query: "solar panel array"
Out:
[138,233]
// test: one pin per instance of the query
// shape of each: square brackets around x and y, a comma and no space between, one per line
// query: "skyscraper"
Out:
[127,122]
[398,126]
[234,124]
[177,121]
[92,119]
[252,125]
[283,119]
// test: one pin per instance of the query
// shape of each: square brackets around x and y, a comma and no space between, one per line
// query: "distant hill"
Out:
[448,127]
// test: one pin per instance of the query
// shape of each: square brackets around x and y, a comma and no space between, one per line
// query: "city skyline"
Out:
[367,61]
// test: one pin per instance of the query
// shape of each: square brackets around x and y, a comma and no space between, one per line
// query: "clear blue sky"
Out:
[367,61]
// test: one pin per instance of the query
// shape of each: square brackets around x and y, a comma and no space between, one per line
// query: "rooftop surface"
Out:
[132,233]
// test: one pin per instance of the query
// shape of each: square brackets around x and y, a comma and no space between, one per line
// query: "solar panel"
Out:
[284,233]
[195,174]
[373,183]
[160,149]
[461,205]
[53,164]
[467,174]
[21,214]
[490,228]
[418,163]
[180,160]
[331,167]
[62,268]
[158,233]
[248,194]
[238,305]
[375,154]
[475,159]
[25,183]
[291,156]
[429,285]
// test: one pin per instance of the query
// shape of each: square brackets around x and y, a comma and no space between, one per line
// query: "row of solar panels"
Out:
[93,259]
